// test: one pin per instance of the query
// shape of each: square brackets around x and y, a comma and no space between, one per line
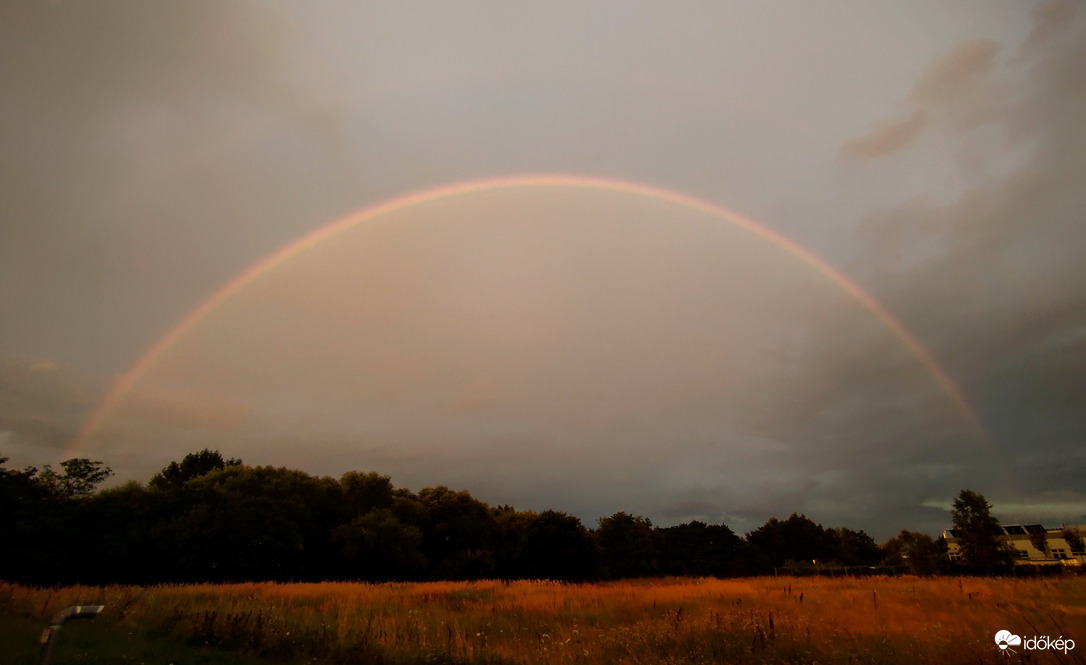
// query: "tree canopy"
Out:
[194,465]
[917,552]
[206,518]
[978,533]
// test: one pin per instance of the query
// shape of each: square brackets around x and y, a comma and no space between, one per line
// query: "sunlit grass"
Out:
[754,620]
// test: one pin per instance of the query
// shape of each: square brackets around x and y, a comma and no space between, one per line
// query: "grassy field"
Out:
[755,620]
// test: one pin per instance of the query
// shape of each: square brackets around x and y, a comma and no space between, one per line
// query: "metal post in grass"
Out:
[49,635]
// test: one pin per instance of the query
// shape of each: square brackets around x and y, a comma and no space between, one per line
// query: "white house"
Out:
[1057,551]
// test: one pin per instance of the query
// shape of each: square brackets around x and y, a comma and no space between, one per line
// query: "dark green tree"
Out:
[854,548]
[29,521]
[918,552]
[363,492]
[79,479]
[18,488]
[557,546]
[627,547]
[251,523]
[115,533]
[797,540]
[194,465]
[508,544]
[46,523]
[378,547]
[978,534]
[698,549]
[407,508]
[459,538]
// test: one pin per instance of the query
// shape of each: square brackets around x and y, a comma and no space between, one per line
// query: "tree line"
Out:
[210,519]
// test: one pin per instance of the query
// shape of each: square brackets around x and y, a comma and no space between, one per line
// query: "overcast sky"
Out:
[552,347]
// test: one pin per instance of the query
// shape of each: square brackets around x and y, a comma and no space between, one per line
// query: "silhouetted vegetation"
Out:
[798,542]
[210,519]
[698,549]
[1073,540]
[918,553]
[194,465]
[978,534]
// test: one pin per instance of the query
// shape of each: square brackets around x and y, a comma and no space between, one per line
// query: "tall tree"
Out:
[175,474]
[378,547]
[509,543]
[797,539]
[252,523]
[695,548]
[118,536]
[978,534]
[79,479]
[459,539]
[854,548]
[363,492]
[627,547]
[28,523]
[557,546]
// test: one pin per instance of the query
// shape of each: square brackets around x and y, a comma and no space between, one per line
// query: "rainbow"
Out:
[123,383]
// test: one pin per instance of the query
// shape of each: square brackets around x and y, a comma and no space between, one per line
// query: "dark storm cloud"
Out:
[993,280]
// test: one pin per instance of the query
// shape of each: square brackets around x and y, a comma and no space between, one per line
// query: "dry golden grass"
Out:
[755,620]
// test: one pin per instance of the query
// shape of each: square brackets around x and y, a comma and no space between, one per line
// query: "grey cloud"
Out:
[887,137]
[42,403]
[1050,17]
[966,66]
[956,85]
[86,63]
[173,409]
[993,280]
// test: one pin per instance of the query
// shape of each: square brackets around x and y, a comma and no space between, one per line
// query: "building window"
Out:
[1023,554]
[1059,554]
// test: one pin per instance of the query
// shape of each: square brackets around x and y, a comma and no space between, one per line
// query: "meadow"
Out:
[750,620]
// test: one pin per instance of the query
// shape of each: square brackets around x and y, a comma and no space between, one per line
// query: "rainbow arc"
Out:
[124,383]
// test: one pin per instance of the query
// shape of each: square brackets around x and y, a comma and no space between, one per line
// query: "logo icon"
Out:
[1004,639]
